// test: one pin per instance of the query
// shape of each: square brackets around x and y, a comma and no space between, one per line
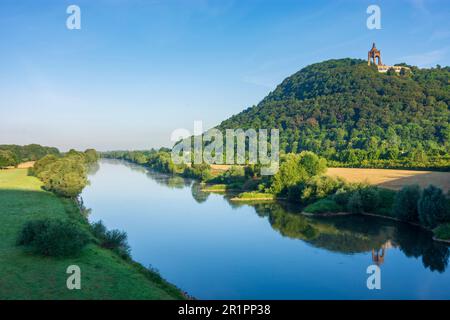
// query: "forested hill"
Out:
[352,114]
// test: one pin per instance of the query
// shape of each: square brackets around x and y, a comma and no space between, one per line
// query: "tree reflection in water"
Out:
[343,234]
[356,234]
[198,194]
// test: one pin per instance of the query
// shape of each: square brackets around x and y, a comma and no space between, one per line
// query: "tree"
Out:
[405,203]
[355,204]
[236,171]
[405,73]
[289,174]
[312,163]
[319,187]
[91,156]
[432,207]
[65,176]
[391,72]
[7,159]
[42,163]
[198,171]
[369,198]
[253,171]
[296,169]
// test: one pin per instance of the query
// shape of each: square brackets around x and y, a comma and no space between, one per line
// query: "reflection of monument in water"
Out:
[349,235]
[379,254]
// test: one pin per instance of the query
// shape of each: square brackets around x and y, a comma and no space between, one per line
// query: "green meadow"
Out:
[24,275]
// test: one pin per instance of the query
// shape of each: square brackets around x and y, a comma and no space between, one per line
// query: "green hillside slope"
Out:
[351,114]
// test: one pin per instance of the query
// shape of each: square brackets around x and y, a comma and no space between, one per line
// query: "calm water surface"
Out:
[216,249]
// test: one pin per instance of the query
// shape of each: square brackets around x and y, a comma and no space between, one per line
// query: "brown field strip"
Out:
[23,165]
[26,165]
[393,179]
[388,178]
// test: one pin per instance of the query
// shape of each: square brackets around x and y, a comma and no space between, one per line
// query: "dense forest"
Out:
[353,115]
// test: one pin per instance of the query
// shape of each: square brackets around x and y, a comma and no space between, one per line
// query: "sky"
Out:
[139,69]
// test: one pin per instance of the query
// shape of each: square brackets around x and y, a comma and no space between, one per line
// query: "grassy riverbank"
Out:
[24,275]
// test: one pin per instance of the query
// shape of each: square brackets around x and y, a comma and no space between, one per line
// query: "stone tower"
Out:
[373,55]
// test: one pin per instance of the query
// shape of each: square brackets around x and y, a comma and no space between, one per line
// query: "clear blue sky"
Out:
[138,69]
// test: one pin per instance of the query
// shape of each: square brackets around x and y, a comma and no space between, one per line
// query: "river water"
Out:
[214,248]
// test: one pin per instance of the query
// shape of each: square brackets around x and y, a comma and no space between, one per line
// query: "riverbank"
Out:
[104,275]
[240,240]
[341,213]
[321,191]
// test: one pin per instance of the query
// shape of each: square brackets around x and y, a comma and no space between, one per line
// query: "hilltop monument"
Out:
[374,57]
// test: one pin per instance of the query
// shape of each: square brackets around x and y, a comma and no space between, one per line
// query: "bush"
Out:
[253,171]
[294,192]
[237,185]
[98,229]
[365,198]
[342,196]
[319,187]
[386,199]
[369,199]
[198,171]
[114,240]
[443,232]
[51,237]
[432,207]
[251,185]
[236,171]
[323,206]
[405,205]
[355,203]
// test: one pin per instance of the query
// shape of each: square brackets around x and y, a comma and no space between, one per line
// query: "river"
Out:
[213,248]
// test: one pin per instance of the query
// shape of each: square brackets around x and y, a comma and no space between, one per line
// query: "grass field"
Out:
[24,275]
[393,179]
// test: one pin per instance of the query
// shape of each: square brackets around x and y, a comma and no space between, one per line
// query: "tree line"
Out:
[11,155]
